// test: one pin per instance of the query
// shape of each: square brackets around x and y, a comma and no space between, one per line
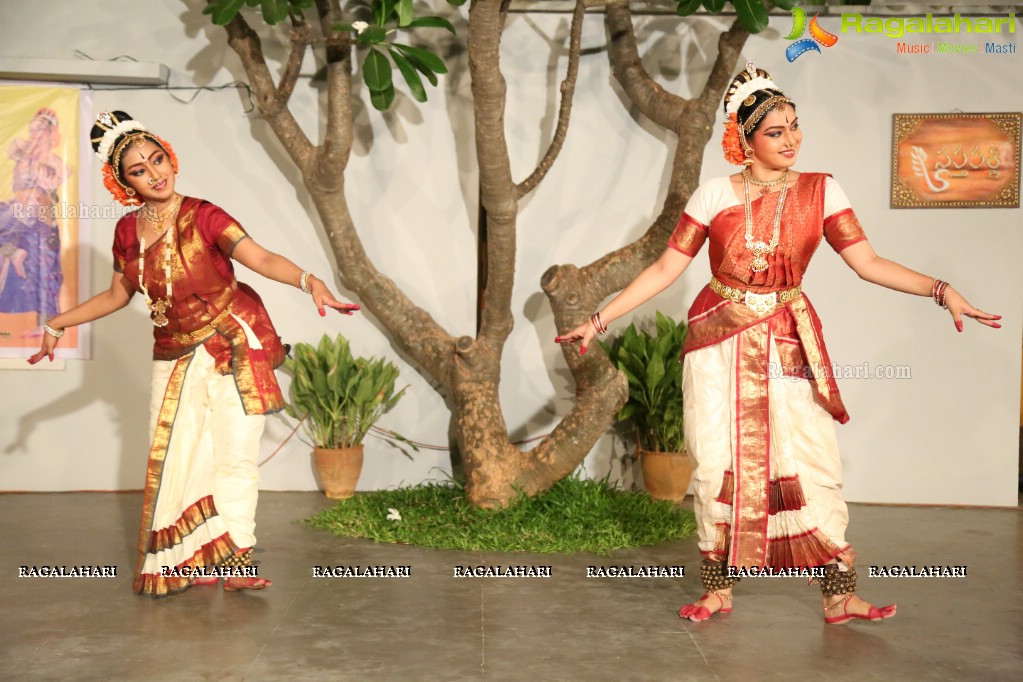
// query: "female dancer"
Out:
[214,356]
[767,475]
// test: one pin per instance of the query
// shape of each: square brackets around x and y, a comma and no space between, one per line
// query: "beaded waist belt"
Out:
[761,304]
[203,332]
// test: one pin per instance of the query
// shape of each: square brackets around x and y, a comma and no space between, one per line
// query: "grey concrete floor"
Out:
[433,626]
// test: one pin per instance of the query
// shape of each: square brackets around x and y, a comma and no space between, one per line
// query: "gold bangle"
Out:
[303,283]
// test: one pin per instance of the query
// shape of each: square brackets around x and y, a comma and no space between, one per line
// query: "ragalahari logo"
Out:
[818,36]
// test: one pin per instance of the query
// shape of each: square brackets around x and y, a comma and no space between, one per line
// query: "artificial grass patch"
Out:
[576,515]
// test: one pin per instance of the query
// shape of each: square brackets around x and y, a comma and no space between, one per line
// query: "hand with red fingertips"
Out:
[583,333]
[959,307]
[49,343]
[323,299]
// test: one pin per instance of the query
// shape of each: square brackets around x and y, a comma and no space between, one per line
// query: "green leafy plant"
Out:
[388,16]
[381,19]
[273,11]
[650,362]
[752,13]
[340,396]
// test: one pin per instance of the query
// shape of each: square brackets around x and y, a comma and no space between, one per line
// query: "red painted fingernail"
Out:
[582,351]
[323,313]
[996,325]
[998,317]
[959,325]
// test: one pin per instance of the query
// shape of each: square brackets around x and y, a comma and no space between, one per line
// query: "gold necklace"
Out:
[158,218]
[158,308]
[759,248]
[765,185]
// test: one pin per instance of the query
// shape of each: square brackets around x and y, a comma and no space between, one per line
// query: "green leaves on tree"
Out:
[413,63]
[752,13]
[273,11]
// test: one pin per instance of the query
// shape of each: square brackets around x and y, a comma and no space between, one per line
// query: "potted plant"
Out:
[339,397]
[651,364]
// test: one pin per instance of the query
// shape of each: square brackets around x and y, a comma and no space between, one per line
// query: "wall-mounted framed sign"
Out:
[955,160]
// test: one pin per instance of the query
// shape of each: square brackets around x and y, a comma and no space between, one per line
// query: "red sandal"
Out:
[698,613]
[875,613]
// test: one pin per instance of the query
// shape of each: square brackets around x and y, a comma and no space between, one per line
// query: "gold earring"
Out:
[130,191]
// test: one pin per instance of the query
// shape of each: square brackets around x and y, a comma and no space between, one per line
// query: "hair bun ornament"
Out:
[747,82]
[109,127]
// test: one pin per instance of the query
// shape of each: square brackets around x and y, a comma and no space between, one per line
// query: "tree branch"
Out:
[337,140]
[299,43]
[567,91]
[730,44]
[245,42]
[497,188]
[653,101]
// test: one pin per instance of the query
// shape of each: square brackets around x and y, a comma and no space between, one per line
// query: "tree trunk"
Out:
[468,369]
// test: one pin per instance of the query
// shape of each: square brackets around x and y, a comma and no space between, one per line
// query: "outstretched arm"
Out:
[100,305]
[652,281]
[873,268]
[276,267]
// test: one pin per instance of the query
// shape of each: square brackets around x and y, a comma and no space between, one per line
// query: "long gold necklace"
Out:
[759,248]
[159,308]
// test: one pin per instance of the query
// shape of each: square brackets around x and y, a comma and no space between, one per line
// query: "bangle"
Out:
[598,326]
[938,290]
[55,333]
[303,283]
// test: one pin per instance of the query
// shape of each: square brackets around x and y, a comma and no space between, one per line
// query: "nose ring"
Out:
[151,181]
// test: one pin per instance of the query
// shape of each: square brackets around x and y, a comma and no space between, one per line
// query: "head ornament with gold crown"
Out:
[750,95]
[113,133]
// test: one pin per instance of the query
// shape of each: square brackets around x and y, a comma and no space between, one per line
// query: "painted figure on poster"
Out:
[30,271]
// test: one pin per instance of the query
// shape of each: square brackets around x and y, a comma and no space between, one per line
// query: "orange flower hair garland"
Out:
[731,143]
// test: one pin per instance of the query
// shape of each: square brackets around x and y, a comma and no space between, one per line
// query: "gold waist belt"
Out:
[761,304]
[203,332]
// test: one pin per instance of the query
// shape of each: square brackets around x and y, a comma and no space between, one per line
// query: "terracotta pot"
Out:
[338,470]
[666,475]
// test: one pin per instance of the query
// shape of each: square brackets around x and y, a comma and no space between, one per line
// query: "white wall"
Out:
[412,188]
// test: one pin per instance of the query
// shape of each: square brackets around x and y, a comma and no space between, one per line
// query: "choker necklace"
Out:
[759,248]
[158,218]
[158,308]
[765,185]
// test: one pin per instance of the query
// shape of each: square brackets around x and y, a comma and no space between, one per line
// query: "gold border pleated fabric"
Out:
[767,473]
[201,485]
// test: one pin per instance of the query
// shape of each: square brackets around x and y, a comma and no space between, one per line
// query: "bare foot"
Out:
[205,580]
[709,604]
[238,583]
[842,608]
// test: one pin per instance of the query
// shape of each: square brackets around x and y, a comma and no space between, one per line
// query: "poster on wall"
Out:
[955,160]
[43,217]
